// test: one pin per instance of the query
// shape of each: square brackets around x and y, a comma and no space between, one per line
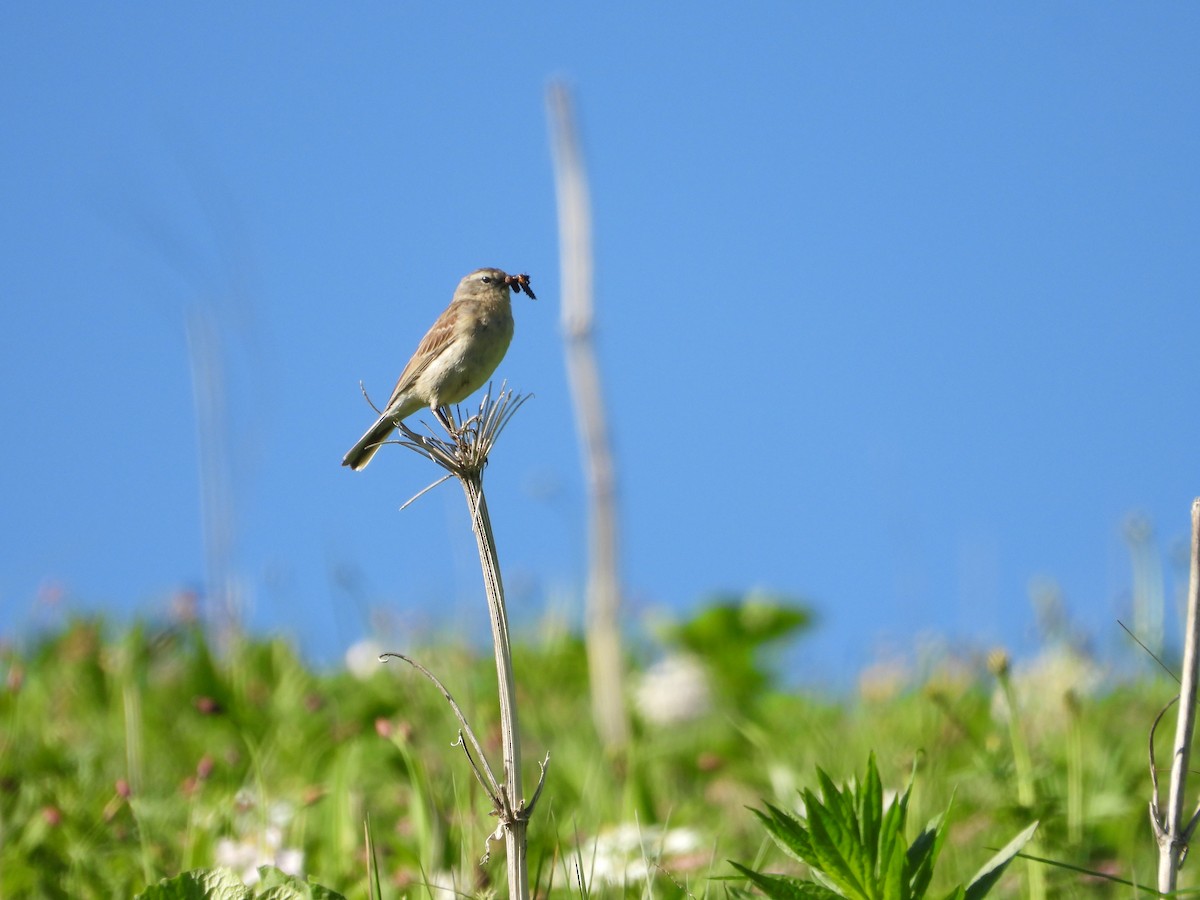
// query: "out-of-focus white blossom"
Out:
[1045,685]
[442,885]
[362,658]
[673,690]
[627,853]
[259,841]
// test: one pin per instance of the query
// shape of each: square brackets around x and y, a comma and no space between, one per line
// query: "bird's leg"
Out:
[443,416]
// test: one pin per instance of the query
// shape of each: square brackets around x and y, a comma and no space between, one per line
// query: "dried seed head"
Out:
[469,439]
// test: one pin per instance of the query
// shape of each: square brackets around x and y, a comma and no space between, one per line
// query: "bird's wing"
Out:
[431,346]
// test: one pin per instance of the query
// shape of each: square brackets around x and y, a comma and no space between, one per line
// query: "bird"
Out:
[454,359]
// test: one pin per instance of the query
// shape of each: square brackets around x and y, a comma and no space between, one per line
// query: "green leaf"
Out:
[222,884]
[281,886]
[199,884]
[842,802]
[789,833]
[783,887]
[835,842]
[987,877]
[869,807]
[838,803]
[894,864]
[923,853]
[894,877]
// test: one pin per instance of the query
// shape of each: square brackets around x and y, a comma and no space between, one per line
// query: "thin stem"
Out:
[514,815]
[583,370]
[464,455]
[490,785]
[1172,840]
[1022,764]
[1074,769]
[1020,752]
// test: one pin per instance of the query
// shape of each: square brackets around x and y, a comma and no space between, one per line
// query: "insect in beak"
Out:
[520,283]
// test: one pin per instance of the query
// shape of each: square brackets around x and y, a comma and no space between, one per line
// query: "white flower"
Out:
[1044,686]
[362,658]
[627,854]
[673,690]
[259,844]
[244,856]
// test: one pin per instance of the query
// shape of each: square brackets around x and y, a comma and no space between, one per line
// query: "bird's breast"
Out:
[493,321]
[469,362]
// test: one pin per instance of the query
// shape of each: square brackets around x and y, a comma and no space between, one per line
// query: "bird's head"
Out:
[487,283]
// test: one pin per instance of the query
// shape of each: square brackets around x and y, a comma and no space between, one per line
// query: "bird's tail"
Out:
[360,454]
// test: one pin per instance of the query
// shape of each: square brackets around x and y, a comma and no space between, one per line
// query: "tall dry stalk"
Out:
[603,631]
[1169,830]
[463,454]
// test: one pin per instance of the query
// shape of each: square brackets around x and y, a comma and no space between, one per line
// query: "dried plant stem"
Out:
[603,591]
[1172,834]
[464,455]
[512,794]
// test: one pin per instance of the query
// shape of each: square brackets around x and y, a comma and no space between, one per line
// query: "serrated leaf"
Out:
[275,884]
[789,833]
[223,884]
[838,803]
[782,887]
[824,880]
[987,877]
[892,859]
[870,810]
[923,853]
[894,880]
[198,884]
[839,854]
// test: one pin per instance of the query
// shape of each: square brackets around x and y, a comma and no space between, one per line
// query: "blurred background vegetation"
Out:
[132,752]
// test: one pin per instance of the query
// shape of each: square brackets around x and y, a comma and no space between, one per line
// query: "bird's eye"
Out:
[486,279]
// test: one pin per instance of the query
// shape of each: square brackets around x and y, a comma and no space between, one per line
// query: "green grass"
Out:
[130,755]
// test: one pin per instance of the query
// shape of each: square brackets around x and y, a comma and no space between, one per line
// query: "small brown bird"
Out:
[458,354]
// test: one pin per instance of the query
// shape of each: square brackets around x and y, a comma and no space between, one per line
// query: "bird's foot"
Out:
[443,416]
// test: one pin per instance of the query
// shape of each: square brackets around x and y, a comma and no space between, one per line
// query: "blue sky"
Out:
[897,305]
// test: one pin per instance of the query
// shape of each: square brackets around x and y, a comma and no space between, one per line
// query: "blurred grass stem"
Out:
[1022,766]
[603,632]
[1074,769]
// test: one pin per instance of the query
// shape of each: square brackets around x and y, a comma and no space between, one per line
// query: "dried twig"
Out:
[1169,830]
[463,453]
[490,785]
